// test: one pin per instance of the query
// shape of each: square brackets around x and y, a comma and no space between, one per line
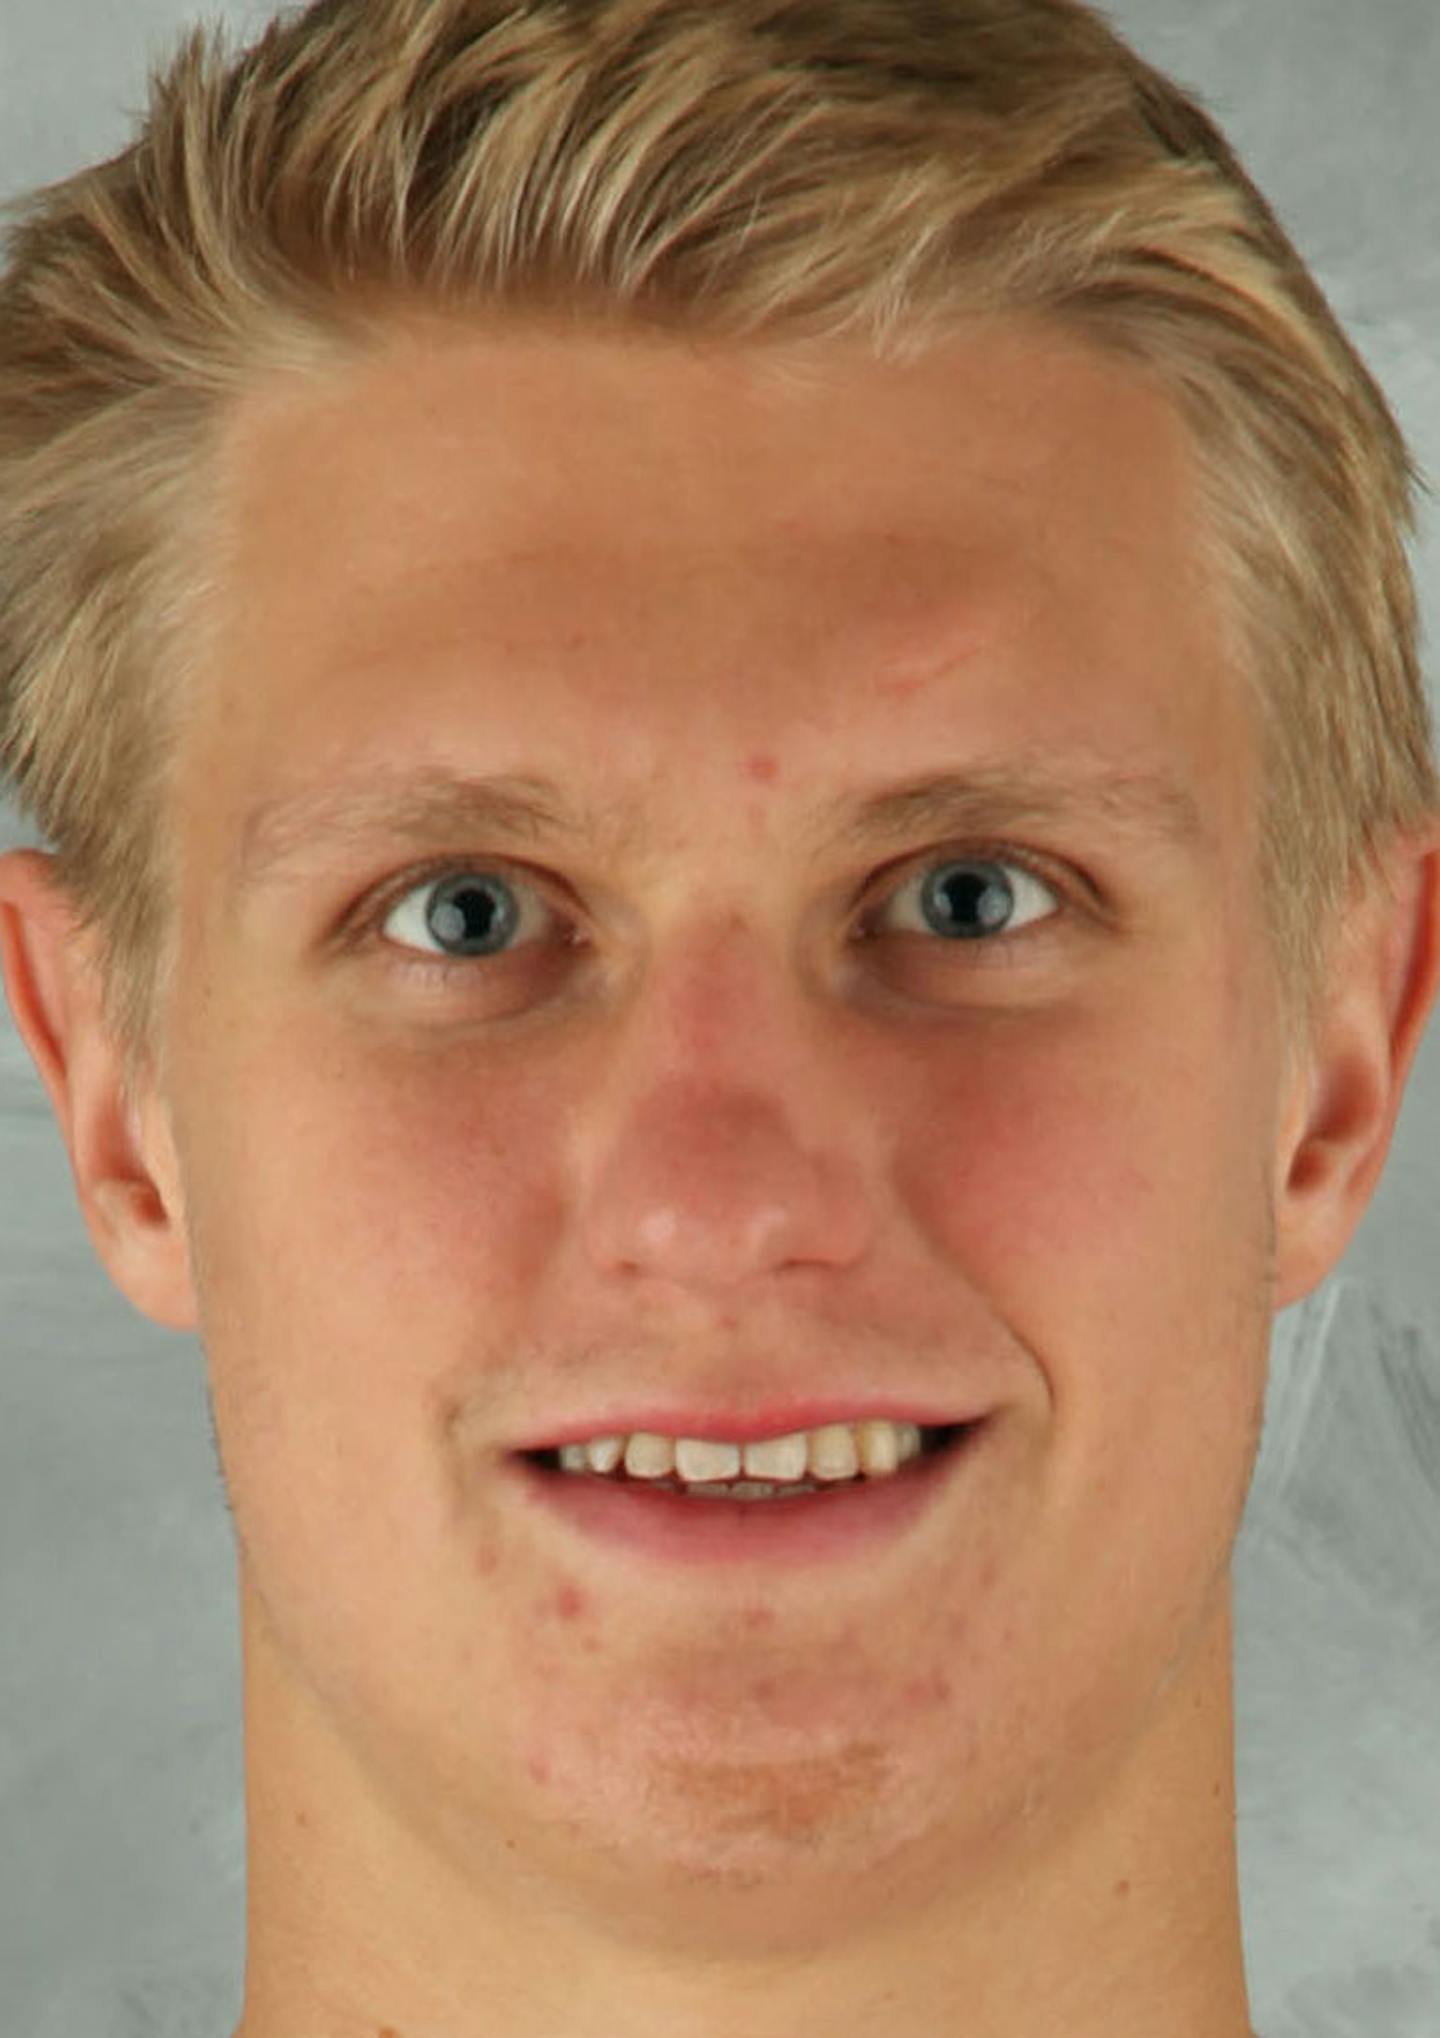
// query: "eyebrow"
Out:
[429,803]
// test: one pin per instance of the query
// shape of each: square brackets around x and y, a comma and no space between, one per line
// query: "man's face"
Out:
[688,1137]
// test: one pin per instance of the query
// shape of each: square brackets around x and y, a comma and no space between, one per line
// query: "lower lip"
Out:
[858,1516]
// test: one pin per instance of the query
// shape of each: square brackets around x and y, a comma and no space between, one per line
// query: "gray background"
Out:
[121,1781]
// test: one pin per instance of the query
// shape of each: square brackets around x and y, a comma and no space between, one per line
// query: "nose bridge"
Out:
[724,1148]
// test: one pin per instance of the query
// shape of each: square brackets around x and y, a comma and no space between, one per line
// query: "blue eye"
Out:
[975,901]
[969,899]
[471,907]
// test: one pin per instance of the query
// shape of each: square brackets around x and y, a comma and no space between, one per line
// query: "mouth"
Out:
[933,1441]
[665,1522]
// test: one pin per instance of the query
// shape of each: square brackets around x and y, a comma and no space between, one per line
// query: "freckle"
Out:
[539,1769]
[1122,1887]
[760,766]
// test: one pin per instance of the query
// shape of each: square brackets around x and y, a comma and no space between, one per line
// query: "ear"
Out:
[1340,1113]
[122,1157]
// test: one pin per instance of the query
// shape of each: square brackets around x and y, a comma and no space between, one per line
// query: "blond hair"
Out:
[839,168]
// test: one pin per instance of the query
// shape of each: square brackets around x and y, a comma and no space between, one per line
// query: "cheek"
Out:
[1105,1213]
[403,1184]
[360,1233]
[1088,1174]
[1024,1148]
[450,1177]
[1098,1218]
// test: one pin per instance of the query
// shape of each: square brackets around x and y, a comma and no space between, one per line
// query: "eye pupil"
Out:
[989,899]
[474,915]
[467,911]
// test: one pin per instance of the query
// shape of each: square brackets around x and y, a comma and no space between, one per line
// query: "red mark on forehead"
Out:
[901,689]
[760,766]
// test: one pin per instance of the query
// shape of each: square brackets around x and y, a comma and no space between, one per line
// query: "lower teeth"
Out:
[748,1489]
[738,1489]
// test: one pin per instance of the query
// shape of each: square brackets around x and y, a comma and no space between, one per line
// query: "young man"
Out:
[728,701]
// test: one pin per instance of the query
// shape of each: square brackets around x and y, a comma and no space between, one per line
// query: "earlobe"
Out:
[121,1157]
[1341,1115]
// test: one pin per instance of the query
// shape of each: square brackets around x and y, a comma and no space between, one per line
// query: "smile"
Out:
[666,1521]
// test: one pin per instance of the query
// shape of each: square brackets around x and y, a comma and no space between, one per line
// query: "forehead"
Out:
[500,536]
[1003,455]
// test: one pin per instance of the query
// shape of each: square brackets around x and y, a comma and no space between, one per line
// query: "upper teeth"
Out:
[837,1450]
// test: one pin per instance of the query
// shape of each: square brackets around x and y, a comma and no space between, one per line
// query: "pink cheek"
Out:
[1008,1156]
[468,1143]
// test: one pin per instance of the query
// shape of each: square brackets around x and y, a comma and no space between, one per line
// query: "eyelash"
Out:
[438,970]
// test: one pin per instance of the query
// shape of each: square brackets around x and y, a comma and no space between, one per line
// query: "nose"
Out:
[711,1186]
[730,1130]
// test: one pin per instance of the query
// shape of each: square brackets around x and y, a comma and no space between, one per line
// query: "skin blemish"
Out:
[901,689]
[929,1694]
[786,1802]
[756,1617]
[761,766]
[570,1601]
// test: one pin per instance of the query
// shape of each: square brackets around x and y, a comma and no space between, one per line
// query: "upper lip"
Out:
[750,1425]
